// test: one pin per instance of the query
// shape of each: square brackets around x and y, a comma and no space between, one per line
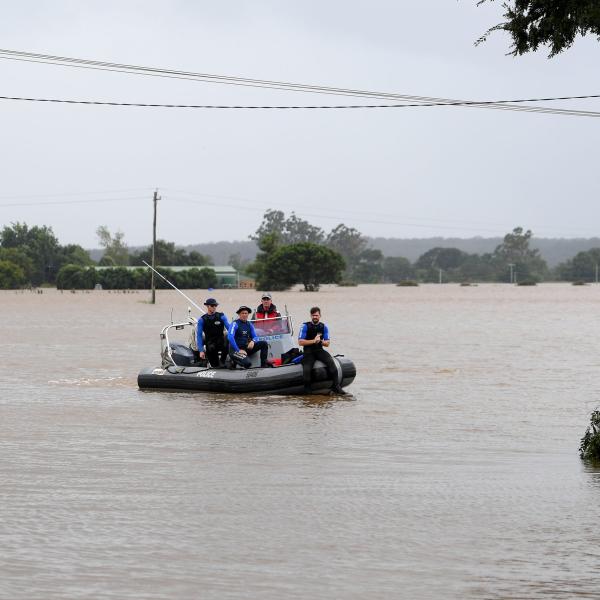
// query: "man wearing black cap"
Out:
[244,342]
[213,325]
[266,309]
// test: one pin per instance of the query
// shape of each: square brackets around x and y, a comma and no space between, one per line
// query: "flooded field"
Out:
[451,471]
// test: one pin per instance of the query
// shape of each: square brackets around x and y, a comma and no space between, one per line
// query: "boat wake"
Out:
[91,382]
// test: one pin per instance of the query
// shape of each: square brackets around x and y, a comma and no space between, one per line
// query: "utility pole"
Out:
[596,272]
[512,266]
[155,201]
[440,280]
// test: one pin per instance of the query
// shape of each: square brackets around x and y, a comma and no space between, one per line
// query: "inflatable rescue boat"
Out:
[181,368]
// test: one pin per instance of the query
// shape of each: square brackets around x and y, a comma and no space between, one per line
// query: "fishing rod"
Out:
[176,289]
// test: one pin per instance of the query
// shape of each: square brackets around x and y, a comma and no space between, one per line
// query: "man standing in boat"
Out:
[213,325]
[243,341]
[266,309]
[313,337]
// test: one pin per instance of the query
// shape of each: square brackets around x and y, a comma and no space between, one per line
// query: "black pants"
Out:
[245,362]
[216,351]
[308,362]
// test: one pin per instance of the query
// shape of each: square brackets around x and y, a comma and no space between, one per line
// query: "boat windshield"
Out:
[277,325]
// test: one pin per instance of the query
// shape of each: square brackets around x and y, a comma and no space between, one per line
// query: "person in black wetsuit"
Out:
[212,324]
[313,336]
[244,342]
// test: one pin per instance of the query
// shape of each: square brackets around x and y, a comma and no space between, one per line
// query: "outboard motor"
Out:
[183,356]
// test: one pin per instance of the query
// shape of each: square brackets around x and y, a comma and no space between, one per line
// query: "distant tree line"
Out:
[553,250]
[74,277]
[291,251]
[288,254]
[33,256]
[117,254]
[294,251]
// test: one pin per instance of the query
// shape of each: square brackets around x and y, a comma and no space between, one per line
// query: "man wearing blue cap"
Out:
[213,325]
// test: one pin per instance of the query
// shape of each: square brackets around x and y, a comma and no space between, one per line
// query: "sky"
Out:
[412,172]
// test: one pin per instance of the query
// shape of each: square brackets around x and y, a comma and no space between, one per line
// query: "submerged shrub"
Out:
[589,448]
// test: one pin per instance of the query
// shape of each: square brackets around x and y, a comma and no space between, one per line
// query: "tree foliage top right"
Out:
[552,23]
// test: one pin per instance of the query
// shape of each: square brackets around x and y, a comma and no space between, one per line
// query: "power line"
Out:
[217,201]
[576,113]
[352,213]
[67,194]
[497,230]
[52,202]
[336,217]
[257,83]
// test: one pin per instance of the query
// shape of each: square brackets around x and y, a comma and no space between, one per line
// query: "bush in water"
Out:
[589,448]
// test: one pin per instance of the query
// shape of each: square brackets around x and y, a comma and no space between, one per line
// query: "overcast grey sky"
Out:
[412,172]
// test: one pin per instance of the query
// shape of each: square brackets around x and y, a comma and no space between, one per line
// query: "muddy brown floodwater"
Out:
[450,472]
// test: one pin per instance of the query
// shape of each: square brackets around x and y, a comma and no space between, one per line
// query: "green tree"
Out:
[195,259]
[11,275]
[298,230]
[73,254]
[441,258]
[197,278]
[114,246]
[582,267]
[107,261]
[348,242]
[268,243]
[167,254]
[478,267]
[235,260]
[118,278]
[39,244]
[306,263]
[369,267]
[273,224]
[553,23]
[515,250]
[396,268]
[76,277]
[19,257]
[449,260]
[292,230]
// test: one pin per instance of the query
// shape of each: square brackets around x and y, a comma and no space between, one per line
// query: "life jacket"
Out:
[213,326]
[243,334]
[311,333]
[260,313]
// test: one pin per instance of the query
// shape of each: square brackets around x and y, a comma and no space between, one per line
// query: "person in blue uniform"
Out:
[210,334]
[243,341]
[313,338]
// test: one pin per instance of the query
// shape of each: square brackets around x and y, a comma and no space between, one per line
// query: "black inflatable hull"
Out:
[281,380]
